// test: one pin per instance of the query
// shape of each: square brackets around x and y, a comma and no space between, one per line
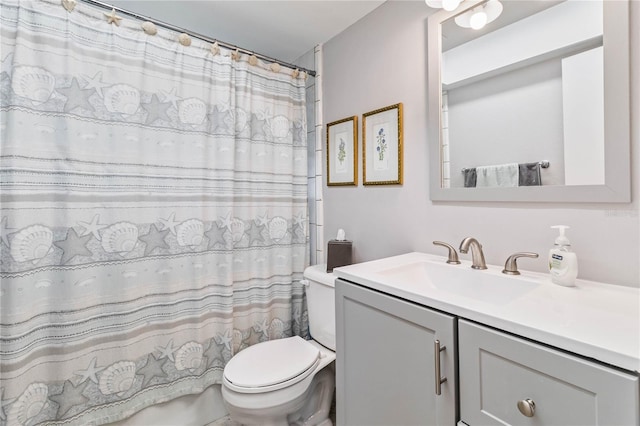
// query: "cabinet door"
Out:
[385,366]
[498,370]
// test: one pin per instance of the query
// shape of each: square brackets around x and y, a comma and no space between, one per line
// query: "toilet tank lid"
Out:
[272,362]
[318,273]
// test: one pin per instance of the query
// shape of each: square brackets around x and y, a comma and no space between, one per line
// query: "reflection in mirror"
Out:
[524,91]
[529,99]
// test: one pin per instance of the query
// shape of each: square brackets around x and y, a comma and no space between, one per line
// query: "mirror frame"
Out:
[617,129]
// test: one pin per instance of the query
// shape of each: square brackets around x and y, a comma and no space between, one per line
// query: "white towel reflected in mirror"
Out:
[502,175]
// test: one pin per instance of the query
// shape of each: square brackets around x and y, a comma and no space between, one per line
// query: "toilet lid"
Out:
[272,362]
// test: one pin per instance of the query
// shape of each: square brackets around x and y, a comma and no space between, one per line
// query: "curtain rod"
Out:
[199,36]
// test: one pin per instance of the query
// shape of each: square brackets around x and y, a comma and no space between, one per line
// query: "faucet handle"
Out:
[511,267]
[453,255]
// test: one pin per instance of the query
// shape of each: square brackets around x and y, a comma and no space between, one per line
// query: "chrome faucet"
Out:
[477,256]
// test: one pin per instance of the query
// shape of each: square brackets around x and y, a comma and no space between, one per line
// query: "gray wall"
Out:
[381,60]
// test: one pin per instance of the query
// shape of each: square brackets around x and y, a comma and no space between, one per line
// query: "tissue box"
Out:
[338,254]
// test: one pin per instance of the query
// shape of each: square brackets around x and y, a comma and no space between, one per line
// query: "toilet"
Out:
[288,381]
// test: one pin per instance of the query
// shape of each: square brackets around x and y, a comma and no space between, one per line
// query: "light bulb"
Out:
[450,4]
[478,20]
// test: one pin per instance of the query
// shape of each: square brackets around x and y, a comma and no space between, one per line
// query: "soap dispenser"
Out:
[563,263]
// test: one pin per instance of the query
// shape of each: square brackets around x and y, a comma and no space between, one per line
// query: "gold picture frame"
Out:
[342,152]
[382,158]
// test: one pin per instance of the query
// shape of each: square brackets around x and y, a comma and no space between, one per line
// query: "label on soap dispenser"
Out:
[556,261]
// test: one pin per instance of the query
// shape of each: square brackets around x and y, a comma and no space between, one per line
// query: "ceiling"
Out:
[283,30]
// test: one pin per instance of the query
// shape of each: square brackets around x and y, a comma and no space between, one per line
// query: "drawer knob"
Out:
[527,407]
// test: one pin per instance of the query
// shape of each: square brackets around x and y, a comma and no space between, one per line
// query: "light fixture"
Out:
[480,16]
[443,4]
[478,19]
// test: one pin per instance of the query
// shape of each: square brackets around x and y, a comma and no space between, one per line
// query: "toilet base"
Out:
[311,408]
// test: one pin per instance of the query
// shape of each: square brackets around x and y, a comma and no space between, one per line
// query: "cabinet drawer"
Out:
[498,370]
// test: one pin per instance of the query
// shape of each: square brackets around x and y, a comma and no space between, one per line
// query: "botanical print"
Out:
[381,157]
[381,143]
[341,152]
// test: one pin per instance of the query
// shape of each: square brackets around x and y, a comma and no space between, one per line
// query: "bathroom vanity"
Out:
[423,342]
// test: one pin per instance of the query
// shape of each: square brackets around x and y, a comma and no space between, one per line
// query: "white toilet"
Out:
[285,382]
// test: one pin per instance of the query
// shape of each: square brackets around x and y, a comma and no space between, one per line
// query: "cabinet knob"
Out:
[527,407]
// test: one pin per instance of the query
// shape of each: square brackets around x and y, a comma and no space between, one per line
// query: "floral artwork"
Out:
[381,156]
[341,152]
[342,139]
[381,144]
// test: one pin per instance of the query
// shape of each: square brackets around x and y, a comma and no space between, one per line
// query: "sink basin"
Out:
[487,286]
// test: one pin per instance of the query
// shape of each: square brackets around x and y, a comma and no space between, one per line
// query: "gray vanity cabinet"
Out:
[505,380]
[387,360]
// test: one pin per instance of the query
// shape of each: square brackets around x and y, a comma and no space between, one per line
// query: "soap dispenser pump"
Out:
[563,263]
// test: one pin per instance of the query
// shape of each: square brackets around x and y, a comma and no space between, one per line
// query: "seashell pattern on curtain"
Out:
[153,206]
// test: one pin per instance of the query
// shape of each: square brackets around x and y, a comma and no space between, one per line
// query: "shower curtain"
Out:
[153,216]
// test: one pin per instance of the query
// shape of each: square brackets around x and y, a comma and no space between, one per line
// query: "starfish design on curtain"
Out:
[4,228]
[212,353]
[95,83]
[298,228]
[90,372]
[92,227]
[255,234]
[69,397]
[216,235]
[153,368]
[167,351]
[258,127]
[170,223]
[154,239]
[4,403]
[171,97]
[299,220]
[156,110]
[263,220]
[76,96]
[72,246]
[299,133]
[217,120]
[262,327]
[7,64]
[226,221]
[225,339]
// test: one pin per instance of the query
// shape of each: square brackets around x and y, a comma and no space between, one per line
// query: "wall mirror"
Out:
[534,106]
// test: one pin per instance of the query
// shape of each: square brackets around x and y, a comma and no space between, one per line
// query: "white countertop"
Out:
[595,320]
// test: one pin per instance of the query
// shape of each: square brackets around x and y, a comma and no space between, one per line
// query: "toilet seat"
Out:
[271,365]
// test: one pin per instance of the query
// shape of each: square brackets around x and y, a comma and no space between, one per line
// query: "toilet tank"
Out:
[321,305]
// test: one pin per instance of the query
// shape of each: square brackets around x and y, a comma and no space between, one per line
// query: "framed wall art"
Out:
[382,146]
[342,152]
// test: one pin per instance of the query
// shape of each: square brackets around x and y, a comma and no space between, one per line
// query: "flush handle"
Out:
[439,379]
[527,407]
